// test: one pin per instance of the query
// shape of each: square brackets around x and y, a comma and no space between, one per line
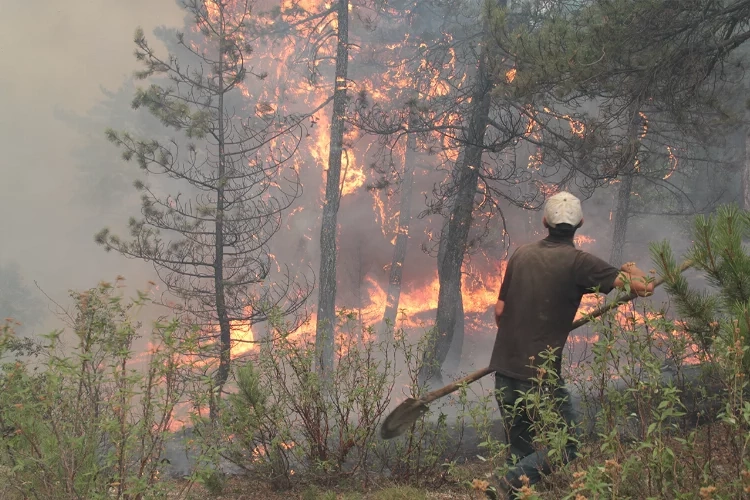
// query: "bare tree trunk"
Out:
[324,333]
[622,214]
[360,277]
[459,224]
[402,237]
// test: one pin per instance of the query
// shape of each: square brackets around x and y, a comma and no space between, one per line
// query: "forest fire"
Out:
[418,304]
[309,174]
[412,140]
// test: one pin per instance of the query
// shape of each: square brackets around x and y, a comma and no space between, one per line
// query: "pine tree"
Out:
[208,226]
[718,250]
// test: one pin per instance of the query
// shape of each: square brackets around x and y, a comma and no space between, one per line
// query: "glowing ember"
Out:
[548,189]
[581,239]
[644,129]
[672,163]
[577,127]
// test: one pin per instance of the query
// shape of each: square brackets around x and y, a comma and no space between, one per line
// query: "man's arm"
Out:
[499,306]
[638,280]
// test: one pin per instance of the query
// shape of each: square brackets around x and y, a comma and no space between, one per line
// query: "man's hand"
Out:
[631,269]
[499,306]
[639,281]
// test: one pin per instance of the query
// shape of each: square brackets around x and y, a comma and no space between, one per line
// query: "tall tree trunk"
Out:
[461,216]
[324,332]
[453,358]
[225,332]
[622,214]
[361,275]
[402,234]
[746,171]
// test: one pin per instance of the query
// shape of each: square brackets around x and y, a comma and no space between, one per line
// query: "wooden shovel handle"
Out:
[453,386]
[474,376]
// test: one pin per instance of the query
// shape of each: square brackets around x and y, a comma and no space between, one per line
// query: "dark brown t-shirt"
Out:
[542,289]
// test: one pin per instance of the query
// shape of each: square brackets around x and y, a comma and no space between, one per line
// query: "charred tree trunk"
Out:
[402,238]
[466,179]
[453,357]
[635,133]
[622,214]
[361,274]
[225,332]
[324,332]
[746,171]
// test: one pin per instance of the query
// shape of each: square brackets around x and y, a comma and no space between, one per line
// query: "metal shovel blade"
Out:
[408,412]
[402,418]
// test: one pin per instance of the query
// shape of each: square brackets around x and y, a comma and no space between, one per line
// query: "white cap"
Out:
[563,208]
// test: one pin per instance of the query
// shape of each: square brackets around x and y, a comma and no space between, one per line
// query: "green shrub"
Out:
[400,493]
[90,421]
[283,420]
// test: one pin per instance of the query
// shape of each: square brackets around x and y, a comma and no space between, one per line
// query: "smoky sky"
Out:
[57,56]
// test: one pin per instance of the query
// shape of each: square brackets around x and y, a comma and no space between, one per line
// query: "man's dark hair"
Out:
[563,230]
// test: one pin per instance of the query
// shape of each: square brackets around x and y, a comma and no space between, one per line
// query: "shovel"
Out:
[408,412]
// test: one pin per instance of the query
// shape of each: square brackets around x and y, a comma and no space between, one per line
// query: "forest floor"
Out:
[711,450]
[238,488]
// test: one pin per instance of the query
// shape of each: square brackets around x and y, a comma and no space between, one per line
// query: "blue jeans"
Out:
[520,435]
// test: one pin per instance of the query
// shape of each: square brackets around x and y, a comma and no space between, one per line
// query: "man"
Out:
[541,292]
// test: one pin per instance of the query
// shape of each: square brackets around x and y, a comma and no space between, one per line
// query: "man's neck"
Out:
[559,237]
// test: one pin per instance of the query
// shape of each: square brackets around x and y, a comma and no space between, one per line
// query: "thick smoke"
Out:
[57,58]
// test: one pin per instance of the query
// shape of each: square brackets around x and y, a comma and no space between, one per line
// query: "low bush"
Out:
[88,421]
[284,420]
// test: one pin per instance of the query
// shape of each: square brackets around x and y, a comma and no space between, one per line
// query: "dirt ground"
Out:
[238,488]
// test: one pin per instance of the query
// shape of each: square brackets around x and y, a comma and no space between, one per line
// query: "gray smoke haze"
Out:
[57,56]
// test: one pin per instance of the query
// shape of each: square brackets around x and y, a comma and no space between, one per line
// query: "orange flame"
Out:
[243,339]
